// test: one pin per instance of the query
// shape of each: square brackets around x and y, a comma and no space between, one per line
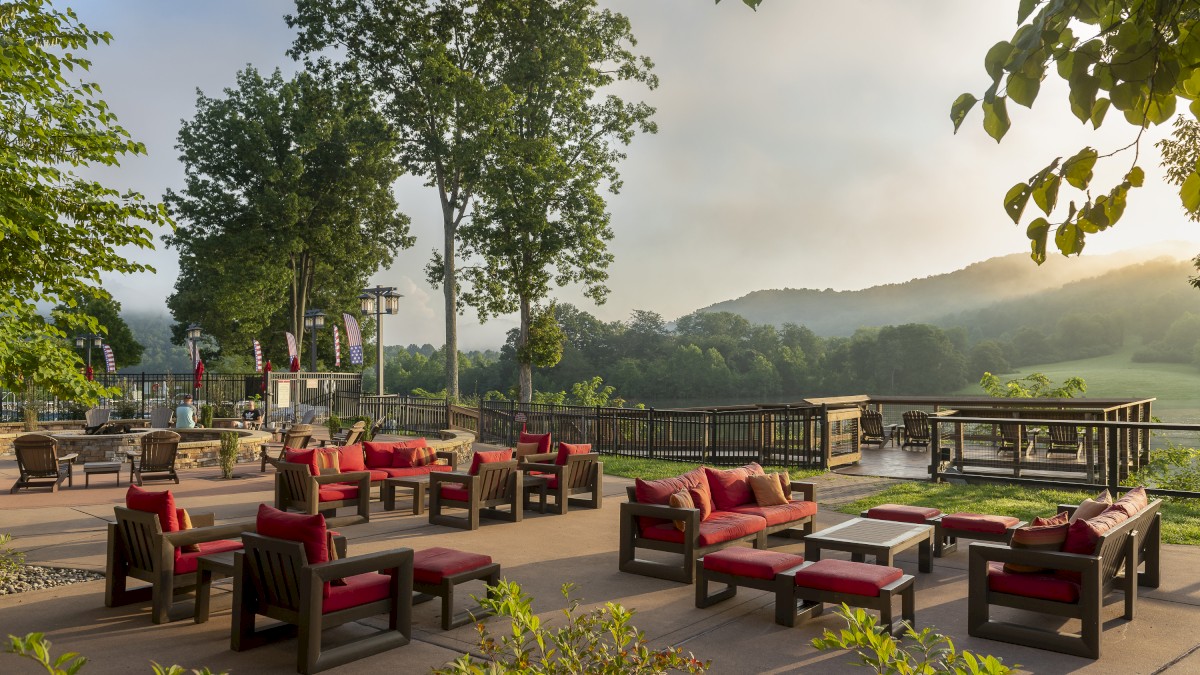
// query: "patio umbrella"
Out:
[295,368]
[87,372]
[199,374]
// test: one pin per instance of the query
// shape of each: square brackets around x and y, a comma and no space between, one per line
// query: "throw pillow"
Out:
[702,499]
[1084,535]
[660,490]
[565,450]
[331,548]
[526,449]
[1090,508]
[378,455]
[412,454]
[785,482]
[729,487]
[1044,534]
[767,490]
[1131,502]
[328,461]
[681,500]
[185,523]
[350,458]
[543,441]
[305,457]
[161,503]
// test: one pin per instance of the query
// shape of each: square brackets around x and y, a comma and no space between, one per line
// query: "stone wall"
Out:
[197,447]
[458,442]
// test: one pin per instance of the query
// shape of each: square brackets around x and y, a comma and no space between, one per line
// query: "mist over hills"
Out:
[959,297]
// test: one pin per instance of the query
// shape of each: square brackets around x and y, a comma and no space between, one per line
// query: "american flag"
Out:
[291,339]
[257,356]
[354,338]
[110,363]
[337,348]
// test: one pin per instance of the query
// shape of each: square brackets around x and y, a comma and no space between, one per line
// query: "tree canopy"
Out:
[60,232]
[288,205]
[127,351]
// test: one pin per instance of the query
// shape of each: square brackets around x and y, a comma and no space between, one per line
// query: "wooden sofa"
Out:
[647,521]
[1114,565]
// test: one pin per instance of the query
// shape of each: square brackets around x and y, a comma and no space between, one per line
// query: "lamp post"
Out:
[193,337]
[314,319]
[379,301]
[89,340]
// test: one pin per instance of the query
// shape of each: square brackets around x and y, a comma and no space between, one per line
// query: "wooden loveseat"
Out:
[379,460]
[648,521]
[1070,583]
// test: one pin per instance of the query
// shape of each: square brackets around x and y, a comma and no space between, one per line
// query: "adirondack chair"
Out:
[569,473]
[347,437]
[296,438]
[157,457]
[160,418]
[274,577]
[95,418]
[1064,439]
[493,480]
[1014,438]
[40,465]
[916,428]
[871,425]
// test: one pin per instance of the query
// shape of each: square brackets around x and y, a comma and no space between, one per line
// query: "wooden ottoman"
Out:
[949,527]
[802,589]
[436,571]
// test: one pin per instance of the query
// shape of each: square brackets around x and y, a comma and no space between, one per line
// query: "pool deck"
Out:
[542,552]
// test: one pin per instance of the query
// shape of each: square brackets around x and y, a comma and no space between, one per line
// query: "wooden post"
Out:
[826,438]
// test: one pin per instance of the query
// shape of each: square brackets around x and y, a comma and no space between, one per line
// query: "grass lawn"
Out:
[1180,518]
[651,469]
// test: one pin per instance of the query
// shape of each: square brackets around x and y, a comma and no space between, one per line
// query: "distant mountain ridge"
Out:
[928,300]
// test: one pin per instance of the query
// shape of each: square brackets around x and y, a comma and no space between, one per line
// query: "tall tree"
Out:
[59,231]
[428,64]
[127,351]
[287,205]
[541,218]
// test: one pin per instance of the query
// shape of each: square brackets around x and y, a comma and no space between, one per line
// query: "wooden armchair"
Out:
[157,456]
[40,465]
[488,484]
[273,577]
[1114,566]
[580,474]
[139,549]
[347,437]
[1013,438]
[916,428]
[1064,439]
[160,418]
[296,437]
[871,424]
[296,488]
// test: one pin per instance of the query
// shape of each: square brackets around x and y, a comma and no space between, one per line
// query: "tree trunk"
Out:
[524,365]
[450,291]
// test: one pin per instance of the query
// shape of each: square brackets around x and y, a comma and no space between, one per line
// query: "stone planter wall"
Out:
[197,447]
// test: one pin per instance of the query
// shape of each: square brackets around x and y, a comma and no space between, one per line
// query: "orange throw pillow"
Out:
[185,523]
[681,500]
[1044,534]
[767,490]
[1090,508]
[786,482]
[526,449]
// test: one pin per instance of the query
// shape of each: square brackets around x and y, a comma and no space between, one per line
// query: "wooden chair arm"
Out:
[450,457]
[658,511]
[1056,560]
[459,477]
[361,564]
[69,457]
[555,469]
[542,458]
[200,535]
[806,490]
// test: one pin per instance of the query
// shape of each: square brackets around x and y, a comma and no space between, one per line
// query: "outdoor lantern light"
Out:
[193,331]
[379,301]
[391,302]
[367,302]
[314,319]
[89,340]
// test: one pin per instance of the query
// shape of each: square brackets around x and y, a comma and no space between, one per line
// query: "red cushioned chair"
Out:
[493,480]
[139,547]
[1072,585]
[573,470]
[297,488]
[274,577]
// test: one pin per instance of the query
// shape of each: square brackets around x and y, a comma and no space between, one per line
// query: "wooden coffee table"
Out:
[418,484]
[883,539]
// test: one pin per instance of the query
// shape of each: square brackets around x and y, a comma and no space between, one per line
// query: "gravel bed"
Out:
[36,577]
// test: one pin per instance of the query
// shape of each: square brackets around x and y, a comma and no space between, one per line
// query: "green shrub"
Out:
[334,424]
[1171,468]
[206,416]
[930,653]
[229,453]
[10,559]
[36,647]
[600,641]
[367,435]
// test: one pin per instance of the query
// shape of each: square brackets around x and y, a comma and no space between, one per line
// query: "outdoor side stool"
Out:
[856,584]
[901,513]
[752,568]
[949,527]
[436,571]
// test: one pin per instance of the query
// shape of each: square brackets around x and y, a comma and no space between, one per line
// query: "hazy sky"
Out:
[806,145]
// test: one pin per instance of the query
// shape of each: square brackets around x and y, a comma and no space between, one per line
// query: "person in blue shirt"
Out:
[185,415]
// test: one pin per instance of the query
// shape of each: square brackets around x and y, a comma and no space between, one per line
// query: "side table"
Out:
[100,467]
[541,485]
[418,484]
[220,564]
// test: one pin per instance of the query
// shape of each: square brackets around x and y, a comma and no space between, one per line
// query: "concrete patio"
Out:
[542,552]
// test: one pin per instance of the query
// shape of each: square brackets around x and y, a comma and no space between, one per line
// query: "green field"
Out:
[1175,385]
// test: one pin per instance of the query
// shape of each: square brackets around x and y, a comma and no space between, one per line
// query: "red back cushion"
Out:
[565,450]
[306,457]
[1133,501]
[491,456]
[731,487]
[308,530]
[379,455]
[161,503]
[543,441]
[350,458]
[660,491]
[411,454]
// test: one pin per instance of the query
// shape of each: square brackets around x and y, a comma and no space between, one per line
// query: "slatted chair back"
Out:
[916,427]
[1010,437]
[94,417]
[872,424]
[1113,548]
[580,470]
[37,455]
[354,433]
[294,483]
[140,539]
[159,449]
[1063,434]
[297,436]
[309,416]
[160,418]
[274,567]
[494,480]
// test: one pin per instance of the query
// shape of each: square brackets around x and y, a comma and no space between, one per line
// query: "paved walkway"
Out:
[542,552]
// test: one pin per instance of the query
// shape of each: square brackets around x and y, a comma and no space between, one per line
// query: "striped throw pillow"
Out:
[681,500]
[1044,534]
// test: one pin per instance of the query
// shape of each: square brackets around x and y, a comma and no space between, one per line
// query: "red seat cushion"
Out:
[903,514]
[379,474]
[543,441]
[487,457]
[350,458]
[778,514]
[307,457]
[455,492]
[359,589]
[660,491]
[978,522]
[395,472]
[186,562]
[844,576]
[1042,586]
[337,492]
[565,450]
[720,527]
[378,455]
[730,487]
[432,565]
[750,562]
[161,503]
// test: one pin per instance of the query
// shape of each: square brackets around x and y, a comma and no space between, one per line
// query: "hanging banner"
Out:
[258,364]
[291,340]
[337,348]
[110,362]
[354,339]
